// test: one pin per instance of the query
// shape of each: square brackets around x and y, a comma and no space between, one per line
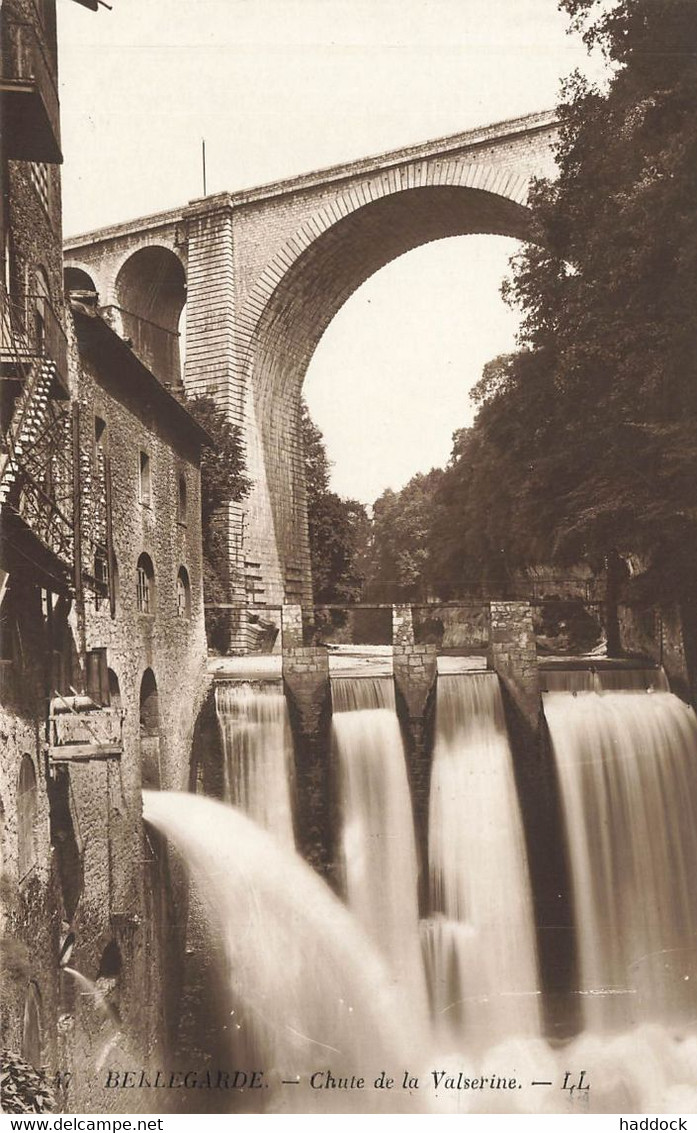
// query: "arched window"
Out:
[182,499]
[149,731]
[145,585]
[31,1029]
[101,577]
[145,483]
[114,689]
[26,816]
[110,964]
[183,594]
[109,975]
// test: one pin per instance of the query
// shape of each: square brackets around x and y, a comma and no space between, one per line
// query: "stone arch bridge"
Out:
[250,280]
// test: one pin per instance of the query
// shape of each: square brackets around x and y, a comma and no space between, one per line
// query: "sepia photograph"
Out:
[348,559]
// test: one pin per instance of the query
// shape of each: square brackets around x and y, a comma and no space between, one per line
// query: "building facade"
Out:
[102,642]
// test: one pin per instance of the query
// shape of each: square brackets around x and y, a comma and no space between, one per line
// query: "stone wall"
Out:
[270,267]
[513,655]
[120,894]
[660,635]
[306,680]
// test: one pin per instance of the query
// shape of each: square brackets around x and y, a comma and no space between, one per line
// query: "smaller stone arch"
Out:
[149,298]
[111,962]
[108,980]
[79,283]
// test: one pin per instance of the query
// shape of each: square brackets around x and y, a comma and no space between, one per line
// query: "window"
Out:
[100,435]
[182,499]
[145,585]
[26,816]
[183,594]
[145,490]
[39,175]
[32,1045]
[41,300]
[98,677]
[101,578]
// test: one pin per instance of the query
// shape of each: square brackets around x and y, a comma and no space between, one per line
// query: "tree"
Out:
[337,528]
[399,553]
[223,481]
[607,462]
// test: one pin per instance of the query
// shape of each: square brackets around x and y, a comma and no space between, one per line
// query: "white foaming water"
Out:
[626,763]
[480,946]
[377,839]
[314,986]
[319,997]
[258,749]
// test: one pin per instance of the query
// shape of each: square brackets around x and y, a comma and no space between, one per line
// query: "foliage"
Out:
[223,473]
[609,295]
[585,443]
[399,553]
[223,481]
[22,1088]
[337,528]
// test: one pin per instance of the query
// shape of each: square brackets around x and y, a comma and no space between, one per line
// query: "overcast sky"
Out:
[280,87]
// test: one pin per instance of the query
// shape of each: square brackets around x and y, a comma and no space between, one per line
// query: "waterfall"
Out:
[377,836]
[480,945]
[611,679]
[626,764]
[258,749]
[308,978]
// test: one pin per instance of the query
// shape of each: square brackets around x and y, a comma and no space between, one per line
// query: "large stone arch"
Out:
[298,295]
[267,268]
[149,294]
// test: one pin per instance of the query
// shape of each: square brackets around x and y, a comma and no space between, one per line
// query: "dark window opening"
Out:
[183,594]
[145,487]
[145,585]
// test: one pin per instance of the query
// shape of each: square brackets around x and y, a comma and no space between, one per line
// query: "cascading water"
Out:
[626,763]
[378,846]
[258,747]
[603,680]
[308,987]
[480,945]
[306,974]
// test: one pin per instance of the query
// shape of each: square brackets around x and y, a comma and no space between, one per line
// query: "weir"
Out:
[336,987]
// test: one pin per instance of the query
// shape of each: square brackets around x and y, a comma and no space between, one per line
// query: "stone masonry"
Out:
[267,269]
[513,654]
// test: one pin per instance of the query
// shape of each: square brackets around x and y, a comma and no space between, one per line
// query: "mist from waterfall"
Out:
[317,994]
[314,984]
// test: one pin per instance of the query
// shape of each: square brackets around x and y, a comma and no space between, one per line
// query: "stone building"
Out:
[102,643]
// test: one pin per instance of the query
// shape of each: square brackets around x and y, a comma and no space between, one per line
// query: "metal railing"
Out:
[156,346]
[32,329]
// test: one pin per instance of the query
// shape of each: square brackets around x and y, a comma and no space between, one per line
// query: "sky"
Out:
[281,87]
